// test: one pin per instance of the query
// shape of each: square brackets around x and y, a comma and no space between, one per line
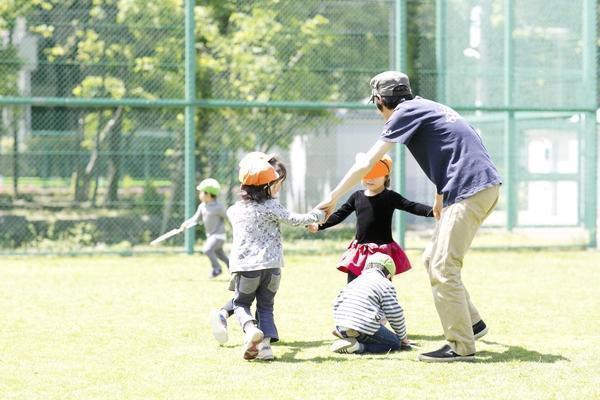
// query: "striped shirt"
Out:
[365,301]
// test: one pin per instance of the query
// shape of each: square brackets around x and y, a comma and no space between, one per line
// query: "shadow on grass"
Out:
[516,353]
[426,337]
[510,353]
[293,348]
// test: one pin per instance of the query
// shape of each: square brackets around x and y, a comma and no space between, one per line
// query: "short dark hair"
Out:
[280,168]
[387,181]
[392,102]
[210,194]
[255,193]
[260,193]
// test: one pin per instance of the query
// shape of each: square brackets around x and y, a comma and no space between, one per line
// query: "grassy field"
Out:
[136,328]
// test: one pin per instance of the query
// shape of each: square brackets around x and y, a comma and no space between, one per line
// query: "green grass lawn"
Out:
[136,328]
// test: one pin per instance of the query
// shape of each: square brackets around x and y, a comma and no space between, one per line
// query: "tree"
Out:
[9,70]
[265,50]
[121,49]
[258,51]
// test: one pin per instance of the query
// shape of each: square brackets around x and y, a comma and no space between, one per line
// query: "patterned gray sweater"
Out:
[365,300]
[257,242]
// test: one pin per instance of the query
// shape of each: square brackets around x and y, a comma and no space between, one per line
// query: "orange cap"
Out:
[255,169]
[381,168]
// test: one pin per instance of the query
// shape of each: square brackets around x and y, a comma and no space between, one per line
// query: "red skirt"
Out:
[355,257]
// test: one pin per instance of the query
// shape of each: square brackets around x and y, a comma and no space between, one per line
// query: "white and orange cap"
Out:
[255,169]
[382,167]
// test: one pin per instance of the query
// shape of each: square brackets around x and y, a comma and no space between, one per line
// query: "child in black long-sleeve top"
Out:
[374,209]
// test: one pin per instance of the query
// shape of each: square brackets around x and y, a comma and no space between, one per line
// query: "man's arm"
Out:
[438,204]
[360,168]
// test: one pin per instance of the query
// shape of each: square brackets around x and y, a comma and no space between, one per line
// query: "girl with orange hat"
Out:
[256,256]
[374,209]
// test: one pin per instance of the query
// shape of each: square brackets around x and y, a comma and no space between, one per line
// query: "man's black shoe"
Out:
[445,354]
[480,329]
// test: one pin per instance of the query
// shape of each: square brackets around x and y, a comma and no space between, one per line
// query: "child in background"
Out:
[212,214]
[256,255]
[362,304]
[374,209]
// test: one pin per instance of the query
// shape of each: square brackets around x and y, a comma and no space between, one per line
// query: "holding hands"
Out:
[327,206]
[312,228]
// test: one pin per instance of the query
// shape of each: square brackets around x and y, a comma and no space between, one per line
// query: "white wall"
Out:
[320,159]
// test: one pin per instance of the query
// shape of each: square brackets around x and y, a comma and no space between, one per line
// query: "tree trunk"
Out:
[114,158]
[175,189]
[95,191]
[90,168]
[84,176]
[15,130]
[79,184]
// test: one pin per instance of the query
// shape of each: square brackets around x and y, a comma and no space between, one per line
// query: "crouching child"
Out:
[362,306]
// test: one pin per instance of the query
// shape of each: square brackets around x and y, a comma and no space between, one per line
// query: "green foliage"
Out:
[15,231]
[6,200]
[258,51]
[264,50]
[81,234]
[11,63]
[151,202]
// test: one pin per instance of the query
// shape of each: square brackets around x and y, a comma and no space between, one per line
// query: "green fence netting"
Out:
[93,97]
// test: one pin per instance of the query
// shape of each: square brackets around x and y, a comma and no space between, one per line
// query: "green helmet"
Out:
[384,261]
[209,185]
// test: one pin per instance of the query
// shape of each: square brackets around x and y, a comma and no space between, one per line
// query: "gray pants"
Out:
[213,248]
[263,286]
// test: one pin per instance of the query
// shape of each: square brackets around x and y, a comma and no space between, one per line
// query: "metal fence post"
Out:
[190,111]
[400,64]
[590,70]
[510,159]
[440,50]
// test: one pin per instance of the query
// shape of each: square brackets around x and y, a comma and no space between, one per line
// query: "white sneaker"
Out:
[252,338]
[348,345]
[265,352]
[218,323]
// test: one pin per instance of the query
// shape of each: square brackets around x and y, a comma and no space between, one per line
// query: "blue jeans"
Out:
[381,341]
[261,285]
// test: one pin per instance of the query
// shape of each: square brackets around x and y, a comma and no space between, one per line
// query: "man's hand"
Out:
[438,204]
[360,168]
[327,206]
[312,228]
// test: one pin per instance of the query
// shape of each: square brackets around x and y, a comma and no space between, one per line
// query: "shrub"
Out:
[151,202]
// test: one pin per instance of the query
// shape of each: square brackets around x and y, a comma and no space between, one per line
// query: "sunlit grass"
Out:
[136,328]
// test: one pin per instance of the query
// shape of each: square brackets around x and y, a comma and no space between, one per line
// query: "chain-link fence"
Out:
[93,96]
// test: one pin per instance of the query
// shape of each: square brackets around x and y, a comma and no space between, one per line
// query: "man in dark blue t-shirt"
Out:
[452,155]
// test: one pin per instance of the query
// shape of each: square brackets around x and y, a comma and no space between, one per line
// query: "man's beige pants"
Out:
[443,260]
